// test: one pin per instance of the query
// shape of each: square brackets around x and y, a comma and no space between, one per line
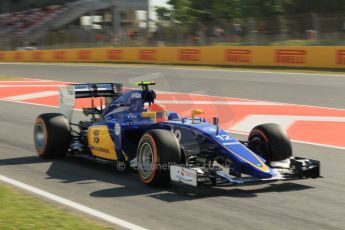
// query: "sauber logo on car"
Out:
[85,54]
[290,56]
[147,55]
[115,54]
[340,57]
[238,55]
[60,55]
[101,143]
[189,55]
[96,136]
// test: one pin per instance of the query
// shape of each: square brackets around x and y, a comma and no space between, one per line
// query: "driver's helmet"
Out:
[160,110]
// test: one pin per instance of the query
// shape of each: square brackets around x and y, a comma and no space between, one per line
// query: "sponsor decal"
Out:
[115,54]
[147,55]
[340,57]
[238,55]
[96,136]
[117,129]
[100,87]
[85,54]
[101,143]
[37,55]
[210,129]
[60,55]
[136,95]
[185,174]
[177,133]
[290,56]
[232,143]
[81,87]
[189,54]
[224,137]
[132,116]
[100,149]
[2,56]
[18,56]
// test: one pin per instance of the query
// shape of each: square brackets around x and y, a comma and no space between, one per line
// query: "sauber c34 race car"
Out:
[131,130]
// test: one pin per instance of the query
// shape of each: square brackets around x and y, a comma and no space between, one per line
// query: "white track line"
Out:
[217,102]
[322,145]
[72,204]
[188,68]
[296,141]
[37,80]
[285,121]
[30,86]
[28,81]
[32,96]
[32,103]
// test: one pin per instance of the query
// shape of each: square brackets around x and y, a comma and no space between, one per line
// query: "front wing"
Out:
[298,168]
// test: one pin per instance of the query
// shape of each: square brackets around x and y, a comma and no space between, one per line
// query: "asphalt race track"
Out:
[307,204]
[319,90]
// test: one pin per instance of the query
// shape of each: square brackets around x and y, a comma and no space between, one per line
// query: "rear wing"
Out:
[97,90]
[68,94]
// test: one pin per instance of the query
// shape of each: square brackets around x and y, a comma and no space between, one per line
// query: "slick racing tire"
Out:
[52,135]
[270,142]
[157,150]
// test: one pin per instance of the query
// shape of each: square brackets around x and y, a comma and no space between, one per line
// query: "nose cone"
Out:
[261,171]
[251,164]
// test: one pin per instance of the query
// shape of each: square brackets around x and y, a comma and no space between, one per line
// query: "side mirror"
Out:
[196,112]
[151,115]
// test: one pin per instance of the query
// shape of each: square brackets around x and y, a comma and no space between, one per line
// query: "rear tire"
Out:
[270,142]
[157,150]
[52,135]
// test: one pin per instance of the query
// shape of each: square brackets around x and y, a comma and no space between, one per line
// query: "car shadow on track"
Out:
[81,171]
[132,186]
[22,160]
[177,193]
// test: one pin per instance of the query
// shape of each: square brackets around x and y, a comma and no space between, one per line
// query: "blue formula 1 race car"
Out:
[131,130]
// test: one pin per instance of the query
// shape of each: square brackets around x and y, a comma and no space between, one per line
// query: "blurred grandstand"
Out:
[48,24]
[78,23]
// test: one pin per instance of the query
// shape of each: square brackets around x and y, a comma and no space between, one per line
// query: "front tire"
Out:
[157,150]
[271,142]
[52,135]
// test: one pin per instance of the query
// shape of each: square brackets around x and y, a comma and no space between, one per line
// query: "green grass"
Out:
[21,211]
